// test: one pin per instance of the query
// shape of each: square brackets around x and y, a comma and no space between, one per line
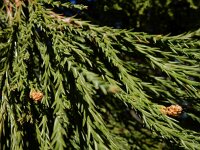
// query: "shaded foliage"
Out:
[152,16]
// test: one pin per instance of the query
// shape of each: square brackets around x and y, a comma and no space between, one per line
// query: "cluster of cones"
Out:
[173,110]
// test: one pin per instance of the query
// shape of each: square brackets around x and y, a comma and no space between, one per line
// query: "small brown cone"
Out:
[173,110]
[36,95]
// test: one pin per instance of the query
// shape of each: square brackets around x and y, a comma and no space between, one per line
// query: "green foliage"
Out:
[102,87]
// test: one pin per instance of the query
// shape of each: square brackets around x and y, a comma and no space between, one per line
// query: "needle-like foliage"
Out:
[96,87]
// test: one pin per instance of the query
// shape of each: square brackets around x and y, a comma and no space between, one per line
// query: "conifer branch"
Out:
[86,73]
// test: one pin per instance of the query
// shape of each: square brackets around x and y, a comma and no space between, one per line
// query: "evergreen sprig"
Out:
[90,76]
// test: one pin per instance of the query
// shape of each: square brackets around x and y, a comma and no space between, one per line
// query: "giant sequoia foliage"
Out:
[68,84]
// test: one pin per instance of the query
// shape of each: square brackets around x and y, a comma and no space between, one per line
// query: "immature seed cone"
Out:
[173,110]
[36,95]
